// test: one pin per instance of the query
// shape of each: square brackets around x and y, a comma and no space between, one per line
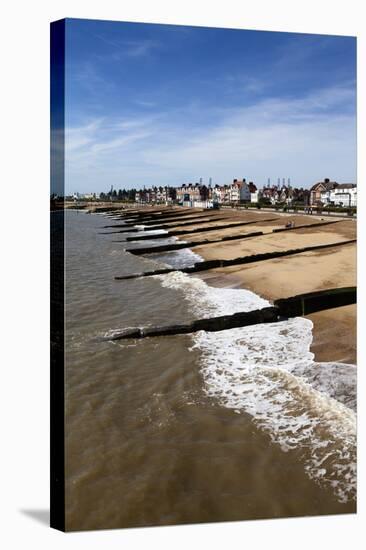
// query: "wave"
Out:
[269,372]
[177,259]
[206,301]
[151,231]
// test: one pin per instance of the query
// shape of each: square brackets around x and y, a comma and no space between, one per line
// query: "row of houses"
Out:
[198,194]
[192,194]
[331,193]
[162,195]
[324,193]
[285,195]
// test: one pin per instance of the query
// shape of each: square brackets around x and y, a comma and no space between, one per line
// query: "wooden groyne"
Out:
[162,226]
[211,264]
[304,226]
[295,306]
[165,217]
[159,214]
[191,244]
[224,322]
[311,302]
[107,210]
[164,220]
[132,215]
[204,229]
[112,209]
[129,230]
[153,219]
[178,246]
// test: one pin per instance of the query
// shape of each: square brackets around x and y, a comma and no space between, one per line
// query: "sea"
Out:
[241,424]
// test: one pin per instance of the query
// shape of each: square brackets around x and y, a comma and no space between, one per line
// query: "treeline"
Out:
[121,194]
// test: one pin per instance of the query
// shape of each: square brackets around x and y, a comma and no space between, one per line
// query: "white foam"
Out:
[207,301]
[152,231]
[178,258]
[268,372]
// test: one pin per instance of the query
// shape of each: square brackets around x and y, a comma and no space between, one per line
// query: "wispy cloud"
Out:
[145,103]
[262,140]
[291,65]
[131,48]
[140,48]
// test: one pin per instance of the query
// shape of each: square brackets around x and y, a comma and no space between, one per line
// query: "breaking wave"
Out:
[268,372]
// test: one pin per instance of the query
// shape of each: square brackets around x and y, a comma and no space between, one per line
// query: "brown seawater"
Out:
[235,425]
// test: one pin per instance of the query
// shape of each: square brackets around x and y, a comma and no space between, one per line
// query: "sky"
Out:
[150,104]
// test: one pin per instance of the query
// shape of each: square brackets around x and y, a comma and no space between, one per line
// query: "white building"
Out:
[234,191]
[248,192]
[344,194]
[86,196]
[253,192]
[161,194]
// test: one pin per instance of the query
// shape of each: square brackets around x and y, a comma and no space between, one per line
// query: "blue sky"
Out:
[162,105]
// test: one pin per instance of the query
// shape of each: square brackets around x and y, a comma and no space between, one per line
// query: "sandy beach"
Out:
[334,333]
[153,421]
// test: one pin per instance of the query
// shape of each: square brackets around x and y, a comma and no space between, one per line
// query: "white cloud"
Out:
[305,139]
[140,48]
[129,48]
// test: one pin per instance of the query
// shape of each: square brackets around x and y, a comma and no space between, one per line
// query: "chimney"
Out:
[326,180]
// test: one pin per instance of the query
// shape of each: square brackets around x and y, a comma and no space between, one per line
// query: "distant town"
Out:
[323,194]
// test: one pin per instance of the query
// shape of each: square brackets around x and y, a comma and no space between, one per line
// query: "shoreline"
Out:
[334,330]
[224,366]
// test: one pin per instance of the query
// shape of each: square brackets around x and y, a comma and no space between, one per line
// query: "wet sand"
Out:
[334,330]
[335,334]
